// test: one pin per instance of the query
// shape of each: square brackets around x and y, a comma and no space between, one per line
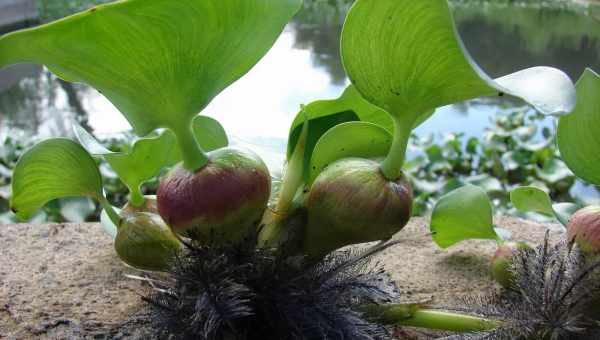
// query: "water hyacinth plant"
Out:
[161,62]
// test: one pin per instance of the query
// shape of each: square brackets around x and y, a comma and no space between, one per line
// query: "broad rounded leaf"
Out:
[528,199]
[209,133]
[548,89]
[159,62]
[55,168]
[406,57]
[352,139]
[578,133]
[463,214]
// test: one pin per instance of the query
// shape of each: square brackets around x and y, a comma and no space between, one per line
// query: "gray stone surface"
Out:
[64,281]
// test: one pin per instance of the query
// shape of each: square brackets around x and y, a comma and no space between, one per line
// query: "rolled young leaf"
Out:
[577,136]
[323,115]
[351,139]
[55,168]
[159,62]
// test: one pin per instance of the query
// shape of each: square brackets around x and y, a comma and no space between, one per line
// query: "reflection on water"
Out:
[304,65]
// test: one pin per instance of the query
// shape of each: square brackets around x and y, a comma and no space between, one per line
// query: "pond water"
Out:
[304,65]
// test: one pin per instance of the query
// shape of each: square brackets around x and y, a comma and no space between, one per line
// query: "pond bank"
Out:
[65,281]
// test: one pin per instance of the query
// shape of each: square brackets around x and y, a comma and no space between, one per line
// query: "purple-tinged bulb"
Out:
[584,230]
[503,260]
[145,242]
[352,202]
[221,202]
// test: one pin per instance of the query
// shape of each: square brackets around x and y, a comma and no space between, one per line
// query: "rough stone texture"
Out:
[427,273]
[64,281]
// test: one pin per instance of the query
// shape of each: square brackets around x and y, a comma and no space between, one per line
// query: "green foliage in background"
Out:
[513,151]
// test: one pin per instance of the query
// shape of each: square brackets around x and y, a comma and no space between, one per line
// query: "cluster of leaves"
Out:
[578,145]
[512,152]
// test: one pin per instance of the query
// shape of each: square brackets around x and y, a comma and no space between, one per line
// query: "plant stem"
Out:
[414,316]
[136,198]
[392,164]
[194,158]
[110,211]
[292,181]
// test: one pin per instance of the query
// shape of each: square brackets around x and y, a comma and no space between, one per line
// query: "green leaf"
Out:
[55,168]
[406,57]
[352,139]
[148,156]
[322,115]
[532,199]
[159,62]
[577,136]
[463,214]
[209,133]
[527,199]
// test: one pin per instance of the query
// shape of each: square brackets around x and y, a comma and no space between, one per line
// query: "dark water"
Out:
[304,65]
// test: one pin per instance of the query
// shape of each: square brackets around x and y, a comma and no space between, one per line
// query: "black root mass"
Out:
[239,292]
[555,296]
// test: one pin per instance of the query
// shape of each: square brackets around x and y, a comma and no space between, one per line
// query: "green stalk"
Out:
[194,158]
[392,164]
[136,198]
[415,316]
[292,181]
[110,211]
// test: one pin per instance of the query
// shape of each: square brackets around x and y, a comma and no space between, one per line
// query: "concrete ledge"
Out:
[64,281]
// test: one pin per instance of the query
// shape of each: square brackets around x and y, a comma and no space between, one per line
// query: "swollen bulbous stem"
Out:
[391,167]
[194,158]
[414,316]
